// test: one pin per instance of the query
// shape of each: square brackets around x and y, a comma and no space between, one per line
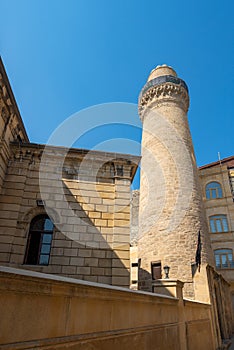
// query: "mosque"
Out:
[69,220]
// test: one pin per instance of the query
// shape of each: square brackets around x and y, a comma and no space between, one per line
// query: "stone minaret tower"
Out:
[171,212]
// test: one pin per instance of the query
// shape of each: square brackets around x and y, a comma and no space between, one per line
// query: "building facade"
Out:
[68,211]
[217,183]
[64,212]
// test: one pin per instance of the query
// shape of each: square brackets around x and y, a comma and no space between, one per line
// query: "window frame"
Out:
[231,179]
[224,252]
[158,266]
[41,233]
[216,220]
[215,189]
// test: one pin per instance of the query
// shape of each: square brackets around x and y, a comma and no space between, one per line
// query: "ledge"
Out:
[14,274]
[161,80]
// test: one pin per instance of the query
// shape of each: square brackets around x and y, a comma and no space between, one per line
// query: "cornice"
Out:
[8,105]
[162,94]
[74,153]
[163,79]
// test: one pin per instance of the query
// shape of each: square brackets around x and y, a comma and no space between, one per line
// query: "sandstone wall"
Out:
[11,125]
[219,172]
[90,210]
[171,208]
[134,216]
[49,312]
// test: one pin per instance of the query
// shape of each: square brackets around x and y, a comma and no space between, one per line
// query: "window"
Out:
[231,178]
[39,241]
[156,270]
[213,190]
[218,223]
[223,258]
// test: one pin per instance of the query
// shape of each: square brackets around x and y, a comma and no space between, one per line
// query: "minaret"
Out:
[171,209]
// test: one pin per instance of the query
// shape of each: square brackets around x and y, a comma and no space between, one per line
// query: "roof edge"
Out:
[79,150]
[224,160]
[12,97]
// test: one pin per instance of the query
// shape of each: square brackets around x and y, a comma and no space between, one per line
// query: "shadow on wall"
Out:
[158,286]
[220,301]
[144,280]
[82,247]
[63,313]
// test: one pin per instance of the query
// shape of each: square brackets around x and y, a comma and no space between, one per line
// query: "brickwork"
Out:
[91,238]
[134,238]
[11,129]
[11,125]
[134,217]
[220,172]
[81,315]
[171,212]
[86,194]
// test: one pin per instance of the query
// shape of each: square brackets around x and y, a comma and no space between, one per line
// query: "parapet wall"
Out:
[48,312]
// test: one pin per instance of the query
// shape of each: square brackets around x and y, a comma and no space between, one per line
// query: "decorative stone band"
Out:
[163,90]
[9,110]
[161,80]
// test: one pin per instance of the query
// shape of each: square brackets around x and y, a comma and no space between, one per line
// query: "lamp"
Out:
[166,270]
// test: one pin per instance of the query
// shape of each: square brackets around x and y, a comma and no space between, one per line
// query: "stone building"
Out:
[171,214]
[71,217]
[68,212]
[217,183]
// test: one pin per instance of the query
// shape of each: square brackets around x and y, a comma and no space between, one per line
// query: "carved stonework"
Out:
[162,94]
[21,154]
[9,111]
[25,218]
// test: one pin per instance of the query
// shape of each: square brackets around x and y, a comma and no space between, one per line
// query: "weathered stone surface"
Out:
[120,317]
[85,194]
[171,211]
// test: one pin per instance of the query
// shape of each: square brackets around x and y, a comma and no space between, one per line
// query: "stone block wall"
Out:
[220,172]
[89,205]
[51,312]
[171,211]
[134,216]
[11,125]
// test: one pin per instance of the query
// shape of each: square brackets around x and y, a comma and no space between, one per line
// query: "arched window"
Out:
[39,241]
[213,190]
[218,223]
[223,258]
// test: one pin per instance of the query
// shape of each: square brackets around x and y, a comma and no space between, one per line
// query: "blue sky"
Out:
[64,56]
